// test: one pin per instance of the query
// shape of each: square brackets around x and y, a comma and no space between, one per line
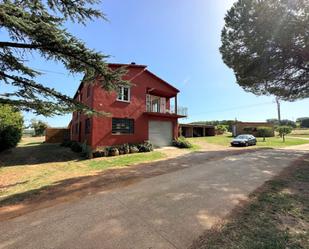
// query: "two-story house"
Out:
[147,110]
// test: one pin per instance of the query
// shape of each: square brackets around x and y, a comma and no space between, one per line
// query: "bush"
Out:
[113,151]
[249,129]
[264,131]
[11,126]
[124,149]
[76,147]
[181,142]
[145,147]
[221,129]
[133,149]
[66,143]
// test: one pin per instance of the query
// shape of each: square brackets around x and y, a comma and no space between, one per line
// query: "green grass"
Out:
[275,217]
[125,160]
[273,142]
[33,166]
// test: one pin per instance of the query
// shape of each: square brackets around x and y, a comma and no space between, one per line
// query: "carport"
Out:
[193,130]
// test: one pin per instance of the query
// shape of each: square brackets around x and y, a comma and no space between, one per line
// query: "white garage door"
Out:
[160,133]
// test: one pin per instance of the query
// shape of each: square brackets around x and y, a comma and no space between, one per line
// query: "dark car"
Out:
[244,140]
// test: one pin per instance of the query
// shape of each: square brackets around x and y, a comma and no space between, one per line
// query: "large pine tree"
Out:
[38,26]
[266,43]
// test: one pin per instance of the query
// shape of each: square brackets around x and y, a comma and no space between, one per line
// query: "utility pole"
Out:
[278,109]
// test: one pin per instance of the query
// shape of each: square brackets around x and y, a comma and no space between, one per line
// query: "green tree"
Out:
[39,127]
[266,43]
[221,129]
[284,130]
[37,27]
[11,126]
[304,122]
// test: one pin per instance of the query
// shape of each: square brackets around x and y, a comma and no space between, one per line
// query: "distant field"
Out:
[302,133]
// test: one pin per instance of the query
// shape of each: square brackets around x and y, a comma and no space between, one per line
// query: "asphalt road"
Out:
[165,211]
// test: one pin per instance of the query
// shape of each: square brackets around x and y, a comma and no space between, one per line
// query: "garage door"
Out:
[160,133]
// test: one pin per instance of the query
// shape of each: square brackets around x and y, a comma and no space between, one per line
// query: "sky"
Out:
[179,40]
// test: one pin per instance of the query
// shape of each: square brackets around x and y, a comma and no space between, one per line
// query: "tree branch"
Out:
[19,45]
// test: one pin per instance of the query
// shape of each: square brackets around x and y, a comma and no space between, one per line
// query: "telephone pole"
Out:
[278,110]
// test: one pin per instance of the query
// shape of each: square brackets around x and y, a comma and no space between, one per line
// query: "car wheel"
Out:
[246,144]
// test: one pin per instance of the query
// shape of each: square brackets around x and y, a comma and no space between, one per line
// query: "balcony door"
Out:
[156,104]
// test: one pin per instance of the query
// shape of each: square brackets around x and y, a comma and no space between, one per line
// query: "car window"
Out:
[242,137]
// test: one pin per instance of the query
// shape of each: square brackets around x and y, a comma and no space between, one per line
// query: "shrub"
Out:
[76,147]
[249,129]
[113,151]
[181,142]
[221,129]
[11,126]
[66,143]
[133,149]
[145,147]
[284,130]
[124,149]
[264,131]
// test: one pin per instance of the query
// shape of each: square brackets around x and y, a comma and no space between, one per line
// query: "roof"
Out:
[197,125]
[128,66]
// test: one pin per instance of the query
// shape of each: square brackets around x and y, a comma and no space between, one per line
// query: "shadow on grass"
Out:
[276,216]
[37,153]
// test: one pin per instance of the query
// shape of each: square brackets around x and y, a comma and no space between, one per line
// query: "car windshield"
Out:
[242,137]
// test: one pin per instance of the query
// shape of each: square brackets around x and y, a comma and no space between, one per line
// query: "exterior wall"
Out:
[239,127]
[56,135]
[79,119]
[101,126]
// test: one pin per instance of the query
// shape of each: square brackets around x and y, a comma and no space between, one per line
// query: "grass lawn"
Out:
[273,142]
[33,165]
[276,216]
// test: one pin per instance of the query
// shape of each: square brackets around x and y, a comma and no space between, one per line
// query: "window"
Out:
[122,126]
[87,125]
[123,93]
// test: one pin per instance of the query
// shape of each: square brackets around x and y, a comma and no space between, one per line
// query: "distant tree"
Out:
[304,123]
[221,129]
[284,130]
[37,27]
[11,126]
[273,121]
[39,127]
[265,42]
[287,122]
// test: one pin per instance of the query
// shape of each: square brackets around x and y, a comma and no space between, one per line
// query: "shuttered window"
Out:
[122,126]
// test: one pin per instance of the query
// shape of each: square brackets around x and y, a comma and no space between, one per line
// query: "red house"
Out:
[138,113]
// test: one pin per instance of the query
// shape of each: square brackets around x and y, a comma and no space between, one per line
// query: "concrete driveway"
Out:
[165,211]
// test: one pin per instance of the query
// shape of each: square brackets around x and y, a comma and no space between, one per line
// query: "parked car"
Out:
[244,140]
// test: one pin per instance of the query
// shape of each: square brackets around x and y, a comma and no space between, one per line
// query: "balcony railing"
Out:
[158,104]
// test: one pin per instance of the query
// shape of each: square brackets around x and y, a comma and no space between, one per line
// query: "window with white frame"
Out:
[123,93]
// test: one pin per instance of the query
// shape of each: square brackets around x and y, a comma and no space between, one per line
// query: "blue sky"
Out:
[179,41]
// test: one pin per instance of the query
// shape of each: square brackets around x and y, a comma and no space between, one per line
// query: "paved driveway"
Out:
[165,211]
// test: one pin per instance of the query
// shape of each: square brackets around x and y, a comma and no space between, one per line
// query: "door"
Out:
[160,133]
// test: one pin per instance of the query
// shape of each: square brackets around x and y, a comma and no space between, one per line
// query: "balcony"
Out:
[161,106]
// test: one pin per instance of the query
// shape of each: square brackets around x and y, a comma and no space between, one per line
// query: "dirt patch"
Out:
[75,188]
